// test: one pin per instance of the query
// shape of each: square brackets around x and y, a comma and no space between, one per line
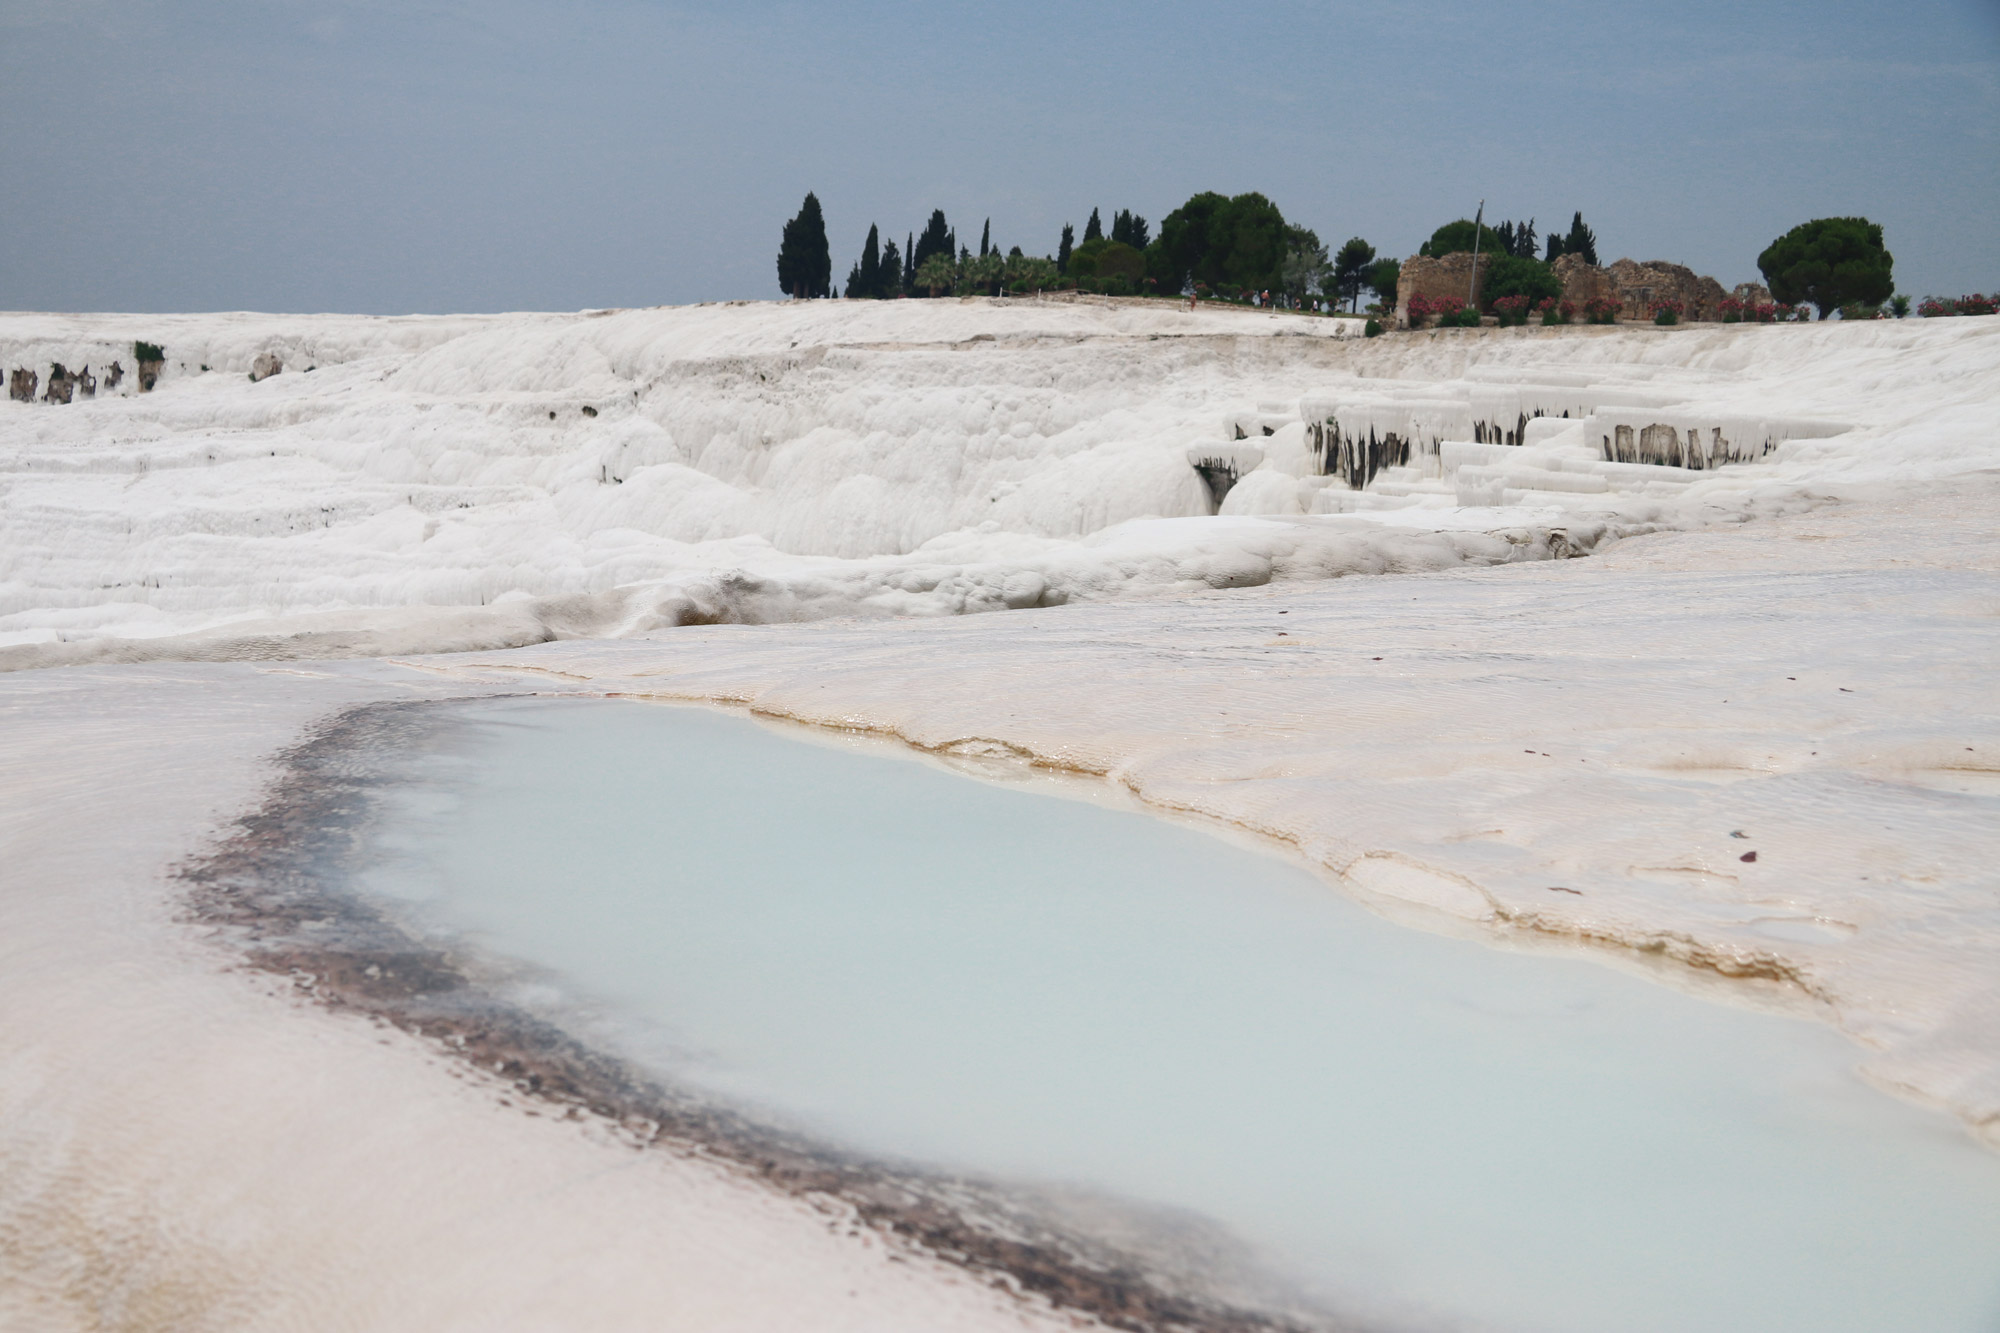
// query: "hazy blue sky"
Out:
[428,156]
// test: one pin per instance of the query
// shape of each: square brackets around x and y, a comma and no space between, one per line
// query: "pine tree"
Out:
[986,238]
[1062,250]
[1093,230]
[1581,241]
[805,266]
[1524,240]
[1350,269]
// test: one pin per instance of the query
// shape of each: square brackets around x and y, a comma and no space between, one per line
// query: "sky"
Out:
[418,156]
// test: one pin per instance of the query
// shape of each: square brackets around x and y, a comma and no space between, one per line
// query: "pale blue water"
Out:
[920,964]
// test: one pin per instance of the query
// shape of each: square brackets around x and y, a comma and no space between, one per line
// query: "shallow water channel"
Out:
[1420,1130]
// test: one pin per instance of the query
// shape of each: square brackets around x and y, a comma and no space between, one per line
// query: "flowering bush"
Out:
[1668,312]
[1449,311]
[1765,313]
[1553,311]
[1601,310]
[1511,310]
[1861,310]
[1732,310]
[1976,304]
[1783,313]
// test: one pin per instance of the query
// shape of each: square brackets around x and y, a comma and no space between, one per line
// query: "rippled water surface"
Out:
[1418,1128]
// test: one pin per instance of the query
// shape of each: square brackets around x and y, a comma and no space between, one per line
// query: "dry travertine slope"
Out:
[435,483]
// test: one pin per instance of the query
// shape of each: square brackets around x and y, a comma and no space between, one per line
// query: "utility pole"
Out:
[1473,281]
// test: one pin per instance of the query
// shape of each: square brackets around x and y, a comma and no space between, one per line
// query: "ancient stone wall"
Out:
[1583,282]
[1640,285]
[1450,276]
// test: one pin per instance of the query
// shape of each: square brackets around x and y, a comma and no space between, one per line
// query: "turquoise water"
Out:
[1421,1129]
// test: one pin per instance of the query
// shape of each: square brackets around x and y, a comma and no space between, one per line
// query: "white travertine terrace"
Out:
[1797,649]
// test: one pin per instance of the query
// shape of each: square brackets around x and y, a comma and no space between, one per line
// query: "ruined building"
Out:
[1633,285]
[1445,277]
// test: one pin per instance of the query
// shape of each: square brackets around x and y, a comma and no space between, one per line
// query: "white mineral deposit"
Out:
[1462,829]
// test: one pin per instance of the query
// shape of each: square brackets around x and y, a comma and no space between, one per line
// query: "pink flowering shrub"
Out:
[1511,310]
[1449,311]
[1553,311]
[1933,307]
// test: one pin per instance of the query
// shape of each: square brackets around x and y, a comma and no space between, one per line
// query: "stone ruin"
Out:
[267,364]
[1583,282]
[1640,285]
[21,385]
[1449,276]
[1633,285]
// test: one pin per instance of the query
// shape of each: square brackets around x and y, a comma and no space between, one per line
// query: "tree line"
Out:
[1215,245]
[1242,248]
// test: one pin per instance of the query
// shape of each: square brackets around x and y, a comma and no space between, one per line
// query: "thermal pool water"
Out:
[1417,1130]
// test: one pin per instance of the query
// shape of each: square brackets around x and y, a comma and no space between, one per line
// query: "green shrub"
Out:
[1372,329]
[149,351]
[1510,275]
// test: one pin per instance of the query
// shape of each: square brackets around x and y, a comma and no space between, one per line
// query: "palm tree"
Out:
[938,272]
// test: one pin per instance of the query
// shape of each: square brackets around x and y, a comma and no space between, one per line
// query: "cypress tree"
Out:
[986,238]
[1581,240]
[1062,251]
[890,275]
[936,239]
[909,262]
[1093,230]
[865,280]
[805,265]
